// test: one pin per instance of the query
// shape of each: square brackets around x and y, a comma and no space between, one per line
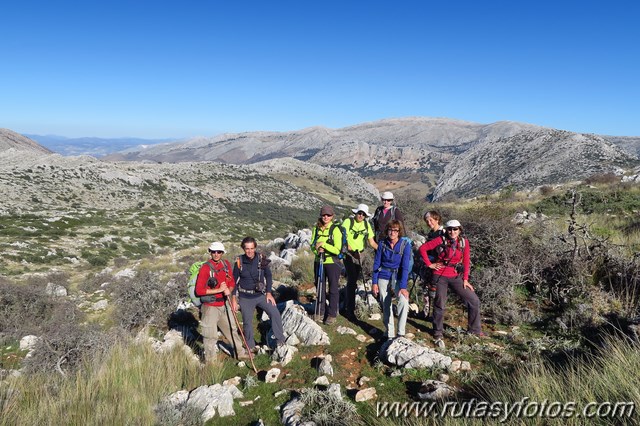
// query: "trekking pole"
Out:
[319,286]
[246,345]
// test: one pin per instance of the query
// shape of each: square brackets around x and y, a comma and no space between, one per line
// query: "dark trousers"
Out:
[469,298]
[331,273]
[354,272]
[248,305]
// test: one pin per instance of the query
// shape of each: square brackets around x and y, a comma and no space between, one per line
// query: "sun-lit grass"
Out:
[122,389]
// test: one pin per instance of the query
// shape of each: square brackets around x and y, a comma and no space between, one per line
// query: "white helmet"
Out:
[217,246]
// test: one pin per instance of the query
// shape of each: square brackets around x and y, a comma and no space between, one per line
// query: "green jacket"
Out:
[322,235]
[358,234]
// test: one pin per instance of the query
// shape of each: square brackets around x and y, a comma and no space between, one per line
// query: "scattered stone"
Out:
[443,377]
[361,338]
[100,305]
[363,381]
[245,403]
[334,389]
[346,330]
[125,273]
[366,394]
[28,343]
[291,412]
[396,373]
[455,366]
[233,381]
[322,381]
[242,364]
[407,354]
[280,393]
[409,336]
[272,375]
[465,366]
[325,366]
[55,290]
[375,317]
[283,354]
[433,390]
[209,400]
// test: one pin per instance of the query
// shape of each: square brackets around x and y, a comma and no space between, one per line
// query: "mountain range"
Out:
[451,157]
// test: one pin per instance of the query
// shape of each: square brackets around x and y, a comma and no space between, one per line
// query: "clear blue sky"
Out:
[185,68]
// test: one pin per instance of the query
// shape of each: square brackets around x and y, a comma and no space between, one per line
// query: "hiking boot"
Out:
[318,317]
[439,343]
[330,320]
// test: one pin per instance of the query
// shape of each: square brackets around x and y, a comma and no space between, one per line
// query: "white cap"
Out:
[217,246]
[362,208]
[452,224]
[386,196]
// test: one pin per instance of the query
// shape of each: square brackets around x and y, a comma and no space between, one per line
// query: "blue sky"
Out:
[177,69]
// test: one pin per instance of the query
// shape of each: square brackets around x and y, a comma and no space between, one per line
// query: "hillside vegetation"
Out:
[557,273]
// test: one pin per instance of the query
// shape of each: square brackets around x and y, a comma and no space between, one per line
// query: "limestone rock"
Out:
[272,375]
[295,321]
[366,394]
[433,390]
[407,354]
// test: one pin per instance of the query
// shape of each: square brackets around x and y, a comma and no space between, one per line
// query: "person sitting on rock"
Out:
[254,284]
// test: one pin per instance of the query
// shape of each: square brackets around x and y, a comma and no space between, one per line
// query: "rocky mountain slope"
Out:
[30,173]
[527,160]
[10,140]
[463,158]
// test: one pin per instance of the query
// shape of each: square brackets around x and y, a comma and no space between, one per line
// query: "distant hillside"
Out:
[10,140]
[461,157]
[96,147]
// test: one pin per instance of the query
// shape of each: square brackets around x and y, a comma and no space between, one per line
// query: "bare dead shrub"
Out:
[94,282]
[602,178]
[63,346]
[147,300]
[26,309]
[546,190]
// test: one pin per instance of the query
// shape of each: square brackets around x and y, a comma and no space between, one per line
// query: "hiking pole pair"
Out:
[316,312]
[227,308]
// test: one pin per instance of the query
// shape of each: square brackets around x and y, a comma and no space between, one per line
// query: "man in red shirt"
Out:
[214,286]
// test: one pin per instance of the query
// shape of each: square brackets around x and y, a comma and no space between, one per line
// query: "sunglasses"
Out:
[360,213]
[387,201]
[327,215]
[216,251]
[453,229]
[394,230]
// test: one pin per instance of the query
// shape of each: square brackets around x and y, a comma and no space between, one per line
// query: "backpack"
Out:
[344,248]
[364,232]
[403,243]
[261,286]
[194,269]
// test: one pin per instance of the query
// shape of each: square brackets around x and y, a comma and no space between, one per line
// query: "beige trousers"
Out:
[216,318]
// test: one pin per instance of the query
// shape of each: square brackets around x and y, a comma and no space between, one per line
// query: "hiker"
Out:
[383,214]
[390,275]
[358,230]
[326,245]
[451,269]
[433,219]
[216,284]
[254,284]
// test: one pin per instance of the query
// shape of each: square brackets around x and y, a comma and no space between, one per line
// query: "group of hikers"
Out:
[247,284]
